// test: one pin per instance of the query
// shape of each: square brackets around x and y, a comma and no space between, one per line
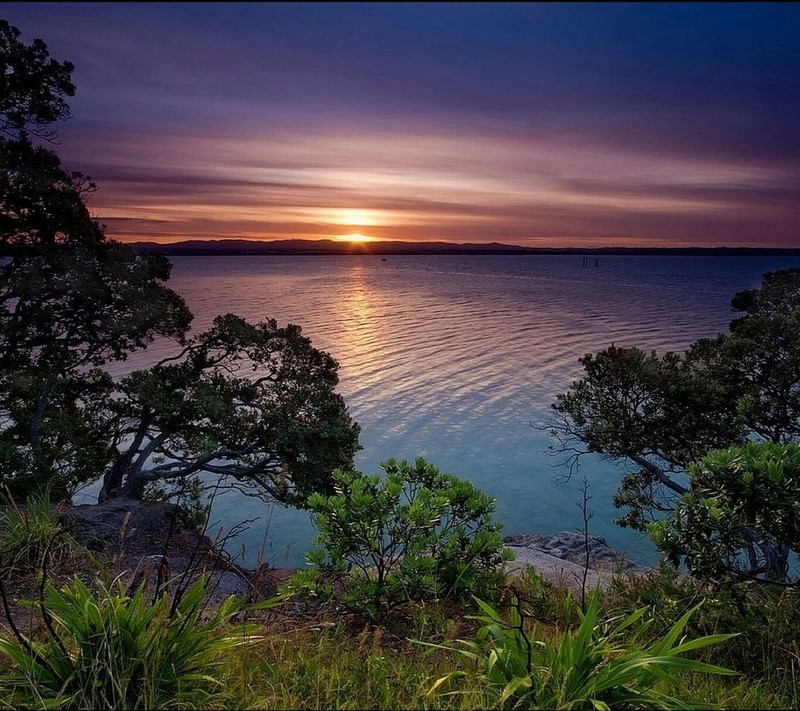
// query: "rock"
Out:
[561,559]
[130,532]
[121,519]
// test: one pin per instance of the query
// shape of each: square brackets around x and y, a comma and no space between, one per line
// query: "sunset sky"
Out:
[538,124]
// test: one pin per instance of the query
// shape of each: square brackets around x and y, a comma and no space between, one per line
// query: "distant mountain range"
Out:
[221,247]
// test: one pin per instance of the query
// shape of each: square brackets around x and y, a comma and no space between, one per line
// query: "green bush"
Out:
[117,651]
[592,668]
[741,519]
[416,534]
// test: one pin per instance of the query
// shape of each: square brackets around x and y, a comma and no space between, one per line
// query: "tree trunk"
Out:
[114,477]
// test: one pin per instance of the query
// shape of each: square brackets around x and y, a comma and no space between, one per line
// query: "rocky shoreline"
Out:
[135,539]
[561,559]
[129,532]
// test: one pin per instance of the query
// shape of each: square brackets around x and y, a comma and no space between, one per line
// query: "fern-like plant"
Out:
[593,667]
[117,651]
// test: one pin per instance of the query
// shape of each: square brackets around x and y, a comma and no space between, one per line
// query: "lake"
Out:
[457,359]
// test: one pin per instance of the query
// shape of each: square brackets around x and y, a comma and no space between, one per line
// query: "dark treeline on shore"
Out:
[222,247]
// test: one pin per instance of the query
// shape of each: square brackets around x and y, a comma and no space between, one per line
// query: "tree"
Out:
[736,492]
[32,86]
[662,413]
[65,312]
[759,361]
[71,300]
[659,413]
[253,402]
[42,204]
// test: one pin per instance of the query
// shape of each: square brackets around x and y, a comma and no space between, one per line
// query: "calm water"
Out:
[455,358]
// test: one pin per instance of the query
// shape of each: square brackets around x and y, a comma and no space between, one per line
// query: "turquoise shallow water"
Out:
[457,359]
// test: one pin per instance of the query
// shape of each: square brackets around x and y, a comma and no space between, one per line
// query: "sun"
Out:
[356,237]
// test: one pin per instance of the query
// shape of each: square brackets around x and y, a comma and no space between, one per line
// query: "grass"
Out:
[599,665]
[767,653]
[345,667]
[334,669]
[31,532]
[112,649]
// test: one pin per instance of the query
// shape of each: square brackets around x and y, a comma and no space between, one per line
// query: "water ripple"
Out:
[454,358]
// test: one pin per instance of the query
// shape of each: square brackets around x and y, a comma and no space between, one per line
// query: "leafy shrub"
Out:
[592,667]
[113,650]
[741,520]
[417,534]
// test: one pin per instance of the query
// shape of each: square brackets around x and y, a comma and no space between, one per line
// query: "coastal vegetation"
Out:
[661,414]
[654,642]
[739,497]
[73,301]
[412,534]
[408,606]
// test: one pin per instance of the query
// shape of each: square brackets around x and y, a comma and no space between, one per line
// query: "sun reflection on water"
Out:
[358,317]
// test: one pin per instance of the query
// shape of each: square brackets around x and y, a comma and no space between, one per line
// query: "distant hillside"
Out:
[220,247]
[326,246]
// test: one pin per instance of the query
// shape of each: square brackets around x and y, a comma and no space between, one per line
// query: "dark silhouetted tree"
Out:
[254,403]
[662,413]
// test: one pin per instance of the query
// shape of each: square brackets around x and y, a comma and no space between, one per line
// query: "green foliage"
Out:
[631,401]
[759,361]
[64,313]
[657,411]
[417,534]
[767,654]
[113,650]
[592,667]
[30,532]
[252,403]
[69,443]
[737,492]
[332,667]
[326,665]
[71,300]
[662,413]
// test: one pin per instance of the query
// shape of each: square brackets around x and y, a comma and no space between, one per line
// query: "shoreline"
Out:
[385,248]
[131,532]
[562,559]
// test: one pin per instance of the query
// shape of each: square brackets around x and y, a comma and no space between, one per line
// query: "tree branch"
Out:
[659,474]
